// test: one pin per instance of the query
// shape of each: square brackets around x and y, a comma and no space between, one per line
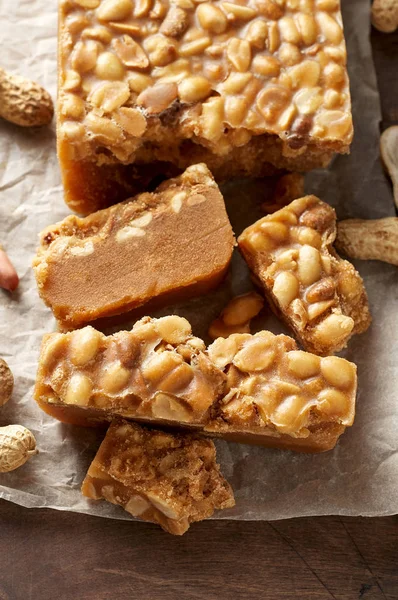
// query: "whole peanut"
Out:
[17,445]
[6,382]
[373,239]
[389,155]
[24,102]
[385,15]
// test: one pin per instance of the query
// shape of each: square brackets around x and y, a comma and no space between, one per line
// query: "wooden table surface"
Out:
[47,555]
[50,555]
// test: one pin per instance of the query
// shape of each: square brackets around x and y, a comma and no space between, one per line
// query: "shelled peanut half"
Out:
[236,316]
[9,279]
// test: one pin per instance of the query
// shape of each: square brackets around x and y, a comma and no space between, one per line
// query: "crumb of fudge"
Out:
[281,396]
[158,371]
[162,247]
[319,295]
[165,478]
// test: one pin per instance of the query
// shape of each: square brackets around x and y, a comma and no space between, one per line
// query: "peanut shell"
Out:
[17,445]
[6,382]
[24,102]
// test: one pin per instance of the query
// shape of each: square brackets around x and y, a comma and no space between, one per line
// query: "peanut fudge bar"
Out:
[257,389]
[319,295]
[161,247]
[247,87]
[156,372]
[169,479]
[279,396]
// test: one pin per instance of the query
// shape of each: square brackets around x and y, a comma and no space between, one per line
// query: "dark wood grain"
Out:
[45,555]
[49,555]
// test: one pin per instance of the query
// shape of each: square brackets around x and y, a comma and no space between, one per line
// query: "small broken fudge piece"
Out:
[169,479]
[280,396]
[156,372]
[245,87]
[162,247]
[319,295]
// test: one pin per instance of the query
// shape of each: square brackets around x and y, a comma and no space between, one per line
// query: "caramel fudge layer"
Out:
[163,246]
[279,396]
[156,372]
[239,85]
[319,295]
[169,479]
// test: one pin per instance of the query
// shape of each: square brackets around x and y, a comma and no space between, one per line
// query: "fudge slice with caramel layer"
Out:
[318,294]
[157,248]
[279,396]
[247,87]
[158,372]
[164,478]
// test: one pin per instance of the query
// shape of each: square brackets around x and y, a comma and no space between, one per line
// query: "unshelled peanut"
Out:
[6,382]
[23,101]
[389,155]
[17,445]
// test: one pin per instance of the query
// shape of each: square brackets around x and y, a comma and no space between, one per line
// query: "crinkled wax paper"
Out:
[360,477]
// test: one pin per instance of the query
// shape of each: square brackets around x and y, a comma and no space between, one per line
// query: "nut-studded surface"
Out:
[167,245]
[280,396]
[172,480]
[158,371]
[319,295]
[218,74]
[272,394]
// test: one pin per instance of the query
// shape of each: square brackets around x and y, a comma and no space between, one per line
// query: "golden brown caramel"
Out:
[240,86]
[319,295]
[164,478]
[160,247]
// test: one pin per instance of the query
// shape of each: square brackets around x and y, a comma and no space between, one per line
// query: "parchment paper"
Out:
[360,477]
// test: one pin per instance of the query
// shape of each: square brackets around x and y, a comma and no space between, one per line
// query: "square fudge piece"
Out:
[159,247]
[319,295]
[245,86]
[164,478]
[279,396]
[156,372]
